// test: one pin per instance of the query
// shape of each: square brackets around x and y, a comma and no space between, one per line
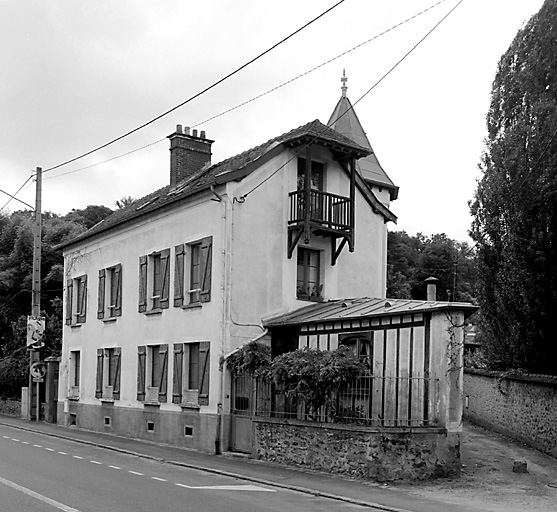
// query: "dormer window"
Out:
[316,175]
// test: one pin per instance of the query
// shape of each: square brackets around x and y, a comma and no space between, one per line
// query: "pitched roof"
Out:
[233,168]
[345,121]
[354,309]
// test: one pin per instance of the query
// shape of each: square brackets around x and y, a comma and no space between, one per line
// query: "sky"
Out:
[76,74]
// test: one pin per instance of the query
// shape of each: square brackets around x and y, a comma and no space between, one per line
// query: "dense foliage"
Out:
[412,259]
[515,204]
[16,264]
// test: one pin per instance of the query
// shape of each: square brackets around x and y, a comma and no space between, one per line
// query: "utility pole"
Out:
[34,333]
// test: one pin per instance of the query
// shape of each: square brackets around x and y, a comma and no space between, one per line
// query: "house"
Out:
[159,293]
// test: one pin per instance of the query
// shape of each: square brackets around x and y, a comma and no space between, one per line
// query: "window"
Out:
[360,345]
[110,292]
[154,281]
[316,175]
[191,373]
[108,373]
[192,272]
[76,300]
[75,373]
[308,286]
[152,371]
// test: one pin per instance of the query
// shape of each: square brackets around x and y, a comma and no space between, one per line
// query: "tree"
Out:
[125,201]
[515,204]
[89,216]
[412,259]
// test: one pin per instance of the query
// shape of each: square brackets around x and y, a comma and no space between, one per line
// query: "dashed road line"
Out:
[37,446]
[62,453]
[158,479]
[77,457]
[136,473]
[114,467]
[14,439]
[25,442]
[50,449]
[96,462]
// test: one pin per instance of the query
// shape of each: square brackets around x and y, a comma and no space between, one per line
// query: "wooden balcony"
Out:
[324,214]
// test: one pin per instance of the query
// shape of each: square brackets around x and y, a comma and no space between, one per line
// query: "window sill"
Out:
[107,400]
[109,320]
[192,305]
[75,326]
[73,398]
[151,404]
[190,406]
[157,311]
[310,299]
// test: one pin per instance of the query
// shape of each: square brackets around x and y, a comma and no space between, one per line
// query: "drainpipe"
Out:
[431,288]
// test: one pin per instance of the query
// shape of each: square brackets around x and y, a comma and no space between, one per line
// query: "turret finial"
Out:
[344,80]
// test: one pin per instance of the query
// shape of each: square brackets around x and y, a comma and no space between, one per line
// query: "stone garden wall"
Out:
[520,406]
[379,454]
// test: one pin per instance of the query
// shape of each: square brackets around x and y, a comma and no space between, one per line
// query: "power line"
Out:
[356,102]
[14,195]
[218,82]
[266,92]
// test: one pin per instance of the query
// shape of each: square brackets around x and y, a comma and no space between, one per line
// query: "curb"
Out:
[220,472]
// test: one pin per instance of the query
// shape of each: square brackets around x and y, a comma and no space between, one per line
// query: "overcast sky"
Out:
[75,74]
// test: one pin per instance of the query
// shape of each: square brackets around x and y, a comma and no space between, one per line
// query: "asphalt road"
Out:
[40,473]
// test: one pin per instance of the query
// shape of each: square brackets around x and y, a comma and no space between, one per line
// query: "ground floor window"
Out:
[108,373]
[152,373]
[191,373]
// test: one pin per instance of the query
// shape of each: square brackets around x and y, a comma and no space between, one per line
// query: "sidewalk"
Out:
[458,495]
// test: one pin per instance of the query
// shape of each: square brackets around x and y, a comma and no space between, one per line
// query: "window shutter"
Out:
[206,258]
[100,299]
[118,277]
[117,363]
[83,313]
[163,352]
[204,373]
[142,284]
[179,276]
[165,270]
[141,356]
[99,382]
[69,301]
[177,373]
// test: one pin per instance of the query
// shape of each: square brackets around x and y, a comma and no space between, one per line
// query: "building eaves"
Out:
[355,309]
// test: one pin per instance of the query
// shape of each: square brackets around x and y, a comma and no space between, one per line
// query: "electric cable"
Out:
[302,148]
[266,92]
[197,95]
[14,195]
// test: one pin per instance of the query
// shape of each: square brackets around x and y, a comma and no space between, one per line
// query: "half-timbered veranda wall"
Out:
[402,419]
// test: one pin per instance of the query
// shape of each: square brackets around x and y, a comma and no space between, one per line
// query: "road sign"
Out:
[35,331]
[38,371]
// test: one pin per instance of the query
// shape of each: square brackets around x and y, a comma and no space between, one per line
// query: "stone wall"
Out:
[521,406]
[372,454]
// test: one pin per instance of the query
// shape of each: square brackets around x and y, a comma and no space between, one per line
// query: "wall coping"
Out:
[549,380]
[351,428]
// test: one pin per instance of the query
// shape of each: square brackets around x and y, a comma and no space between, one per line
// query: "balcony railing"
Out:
[327,210]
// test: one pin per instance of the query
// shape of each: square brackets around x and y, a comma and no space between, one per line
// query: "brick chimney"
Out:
[188,153]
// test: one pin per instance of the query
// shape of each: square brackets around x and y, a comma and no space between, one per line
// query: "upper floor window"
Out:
[110,292]
[317,175]
[192,272]
[154,281]
[308,284]
[76,300]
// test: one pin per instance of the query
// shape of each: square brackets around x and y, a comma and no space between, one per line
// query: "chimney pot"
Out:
[178,128]
[202,134]
[186,130]
[194,132]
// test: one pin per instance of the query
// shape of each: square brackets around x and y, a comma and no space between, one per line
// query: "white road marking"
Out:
[50,449]
[254,488]
[159,479]
[96,462]
[24,442]
[62,453]
[36,495]
[37,446]
[77,457]
[14,439]
[114,467]
[6,437]
[136,473]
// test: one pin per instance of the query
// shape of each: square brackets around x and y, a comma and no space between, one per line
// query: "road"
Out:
[39,473]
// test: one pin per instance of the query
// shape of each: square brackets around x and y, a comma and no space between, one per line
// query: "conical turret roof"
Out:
[345,121]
